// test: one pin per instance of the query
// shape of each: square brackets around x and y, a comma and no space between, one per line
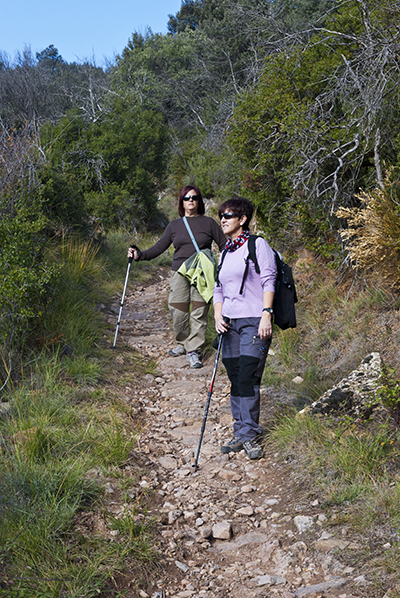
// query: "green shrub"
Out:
[24,276]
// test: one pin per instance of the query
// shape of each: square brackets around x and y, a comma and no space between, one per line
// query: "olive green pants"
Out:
[189,313]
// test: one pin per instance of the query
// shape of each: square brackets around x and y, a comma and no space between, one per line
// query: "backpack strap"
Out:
[217,281]
[245,273]
[251,256]
[252,251]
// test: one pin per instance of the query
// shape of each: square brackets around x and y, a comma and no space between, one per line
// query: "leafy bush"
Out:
[113,166]
[389,394]
[24,276]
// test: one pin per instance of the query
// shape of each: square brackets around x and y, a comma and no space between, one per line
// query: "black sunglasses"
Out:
[228,216]
[191,197]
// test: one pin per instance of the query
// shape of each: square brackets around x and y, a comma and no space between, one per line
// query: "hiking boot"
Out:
[177,351]
[194,360]
[233,446]
[253,449]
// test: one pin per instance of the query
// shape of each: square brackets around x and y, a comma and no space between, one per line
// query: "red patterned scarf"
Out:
[238,242]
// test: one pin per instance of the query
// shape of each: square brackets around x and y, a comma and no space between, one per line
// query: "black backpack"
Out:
[285,290]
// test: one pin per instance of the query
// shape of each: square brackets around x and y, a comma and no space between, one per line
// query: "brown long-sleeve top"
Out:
[205,230]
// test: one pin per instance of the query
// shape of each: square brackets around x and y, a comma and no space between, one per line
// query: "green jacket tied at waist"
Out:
[200,270]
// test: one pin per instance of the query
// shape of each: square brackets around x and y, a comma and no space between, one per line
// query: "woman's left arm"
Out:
[267,262]
[265,325]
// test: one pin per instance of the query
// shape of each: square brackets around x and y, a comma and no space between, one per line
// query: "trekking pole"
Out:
[123,295]
[203,427]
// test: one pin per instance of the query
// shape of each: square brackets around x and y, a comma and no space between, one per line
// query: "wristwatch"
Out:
[269,310]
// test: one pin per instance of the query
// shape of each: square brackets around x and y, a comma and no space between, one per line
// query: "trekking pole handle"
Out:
[138,251]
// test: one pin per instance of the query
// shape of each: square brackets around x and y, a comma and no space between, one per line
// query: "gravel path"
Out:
[233,528]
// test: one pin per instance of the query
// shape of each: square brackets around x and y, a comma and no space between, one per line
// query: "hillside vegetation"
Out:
[295,109]
[293,105]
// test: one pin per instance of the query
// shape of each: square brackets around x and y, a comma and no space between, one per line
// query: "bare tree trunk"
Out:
[378,167]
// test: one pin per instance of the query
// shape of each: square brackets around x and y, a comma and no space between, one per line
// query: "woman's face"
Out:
[231,224]
[190,203]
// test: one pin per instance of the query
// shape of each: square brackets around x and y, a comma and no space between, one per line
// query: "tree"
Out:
[49,58]
[23,92]
[323,116]
[115,165]
[303,15]
[213,53]
[188,17]
[34,90]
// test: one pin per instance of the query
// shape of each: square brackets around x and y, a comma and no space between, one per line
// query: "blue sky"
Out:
[79,29]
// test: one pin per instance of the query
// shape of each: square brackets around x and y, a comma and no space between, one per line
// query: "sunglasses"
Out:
[191,198]
[228,216]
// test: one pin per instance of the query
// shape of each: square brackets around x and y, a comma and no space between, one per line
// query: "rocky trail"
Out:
[233,528]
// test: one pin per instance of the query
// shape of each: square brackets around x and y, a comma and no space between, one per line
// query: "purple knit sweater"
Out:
[250,303]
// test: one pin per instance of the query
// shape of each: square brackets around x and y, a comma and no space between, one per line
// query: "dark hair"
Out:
[240,207]
[200,203]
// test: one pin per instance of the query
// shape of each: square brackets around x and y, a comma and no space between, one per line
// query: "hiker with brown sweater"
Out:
[188,308]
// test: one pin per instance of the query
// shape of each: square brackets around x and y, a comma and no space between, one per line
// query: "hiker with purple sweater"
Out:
[246,321]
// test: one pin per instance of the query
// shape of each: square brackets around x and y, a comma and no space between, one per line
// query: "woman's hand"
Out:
[132,253]
[220,325]
[265,326]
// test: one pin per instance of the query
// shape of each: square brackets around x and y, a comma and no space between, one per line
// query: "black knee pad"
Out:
[249,375]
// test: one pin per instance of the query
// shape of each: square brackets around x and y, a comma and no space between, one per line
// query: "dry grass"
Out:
[373,233]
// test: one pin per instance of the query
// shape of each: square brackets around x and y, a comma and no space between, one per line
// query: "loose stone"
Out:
[245,511]
[303,522]
[319,588]
[222,530]
[182,566]
[272,580]
[173,516]
[271,502]
[247,489]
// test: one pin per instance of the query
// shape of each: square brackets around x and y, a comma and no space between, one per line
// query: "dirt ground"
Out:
[233,527]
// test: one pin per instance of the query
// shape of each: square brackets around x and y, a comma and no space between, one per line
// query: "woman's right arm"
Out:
[156,250]
[220,324]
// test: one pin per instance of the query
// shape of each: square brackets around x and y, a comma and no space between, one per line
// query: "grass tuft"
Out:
[114,442]
[136,530]
[83,370]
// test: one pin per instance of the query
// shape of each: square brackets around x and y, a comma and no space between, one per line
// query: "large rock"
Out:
[222,530]
[354,394]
